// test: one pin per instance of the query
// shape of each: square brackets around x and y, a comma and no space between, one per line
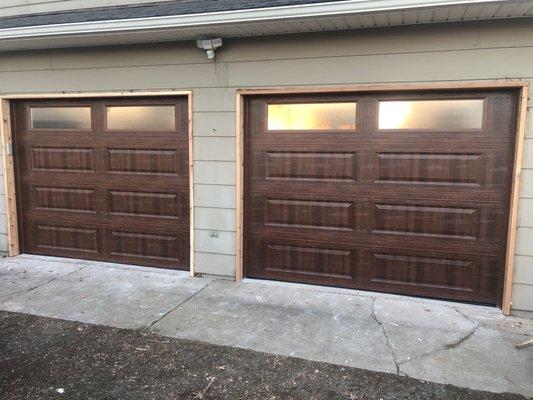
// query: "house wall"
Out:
[17,7]
[447,52]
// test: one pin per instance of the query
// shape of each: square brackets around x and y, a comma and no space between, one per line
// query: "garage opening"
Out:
[397,192]
[104,179]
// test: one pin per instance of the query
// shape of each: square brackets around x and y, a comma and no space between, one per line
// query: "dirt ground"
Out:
[43,358]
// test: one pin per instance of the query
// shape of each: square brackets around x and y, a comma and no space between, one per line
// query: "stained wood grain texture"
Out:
[411,212]
[112,195]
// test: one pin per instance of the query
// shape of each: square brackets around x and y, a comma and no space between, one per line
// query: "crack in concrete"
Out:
[446,346]
[24,291]
[389,345]
[151,324]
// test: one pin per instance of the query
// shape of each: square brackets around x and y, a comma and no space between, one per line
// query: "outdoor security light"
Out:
[209,45]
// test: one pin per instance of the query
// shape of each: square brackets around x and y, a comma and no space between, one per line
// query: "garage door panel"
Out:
[355,216]
[119,195]
[418,199]
[109,220]
[64,199]
[61,238]
[364,191]
[435,274]
[143,245]
[413,167]
[303,261]
[108,181]
[387,241]
[470,277]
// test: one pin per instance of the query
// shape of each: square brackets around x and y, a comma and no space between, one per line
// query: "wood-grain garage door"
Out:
[397,192]
[104,179]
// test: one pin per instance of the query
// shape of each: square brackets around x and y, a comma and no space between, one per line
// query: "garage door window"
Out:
[312,116]
[142,118]
[72,118]
[439,115]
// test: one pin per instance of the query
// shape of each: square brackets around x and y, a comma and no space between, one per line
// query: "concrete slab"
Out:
[485,360]
[18,276]
[451,343]
[415,329]
[108,296]
[317,326]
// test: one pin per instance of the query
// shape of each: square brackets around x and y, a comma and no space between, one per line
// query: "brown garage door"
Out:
[396,192]
[105,179]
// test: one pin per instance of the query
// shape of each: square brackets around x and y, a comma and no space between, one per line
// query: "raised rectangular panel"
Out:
[136,161]
[64,199]
[308,260]
[310,214]
[169,247]
[166,205]
[62,159]
[445,222]
[311,166]
[426,168]
[423,271]
[66,238]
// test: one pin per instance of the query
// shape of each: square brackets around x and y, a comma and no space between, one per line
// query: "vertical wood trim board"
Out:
[239,176]
[515,195]
[191,185]
[9,179]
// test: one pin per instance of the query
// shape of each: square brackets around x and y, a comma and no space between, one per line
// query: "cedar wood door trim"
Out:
[519,84]
[9,171]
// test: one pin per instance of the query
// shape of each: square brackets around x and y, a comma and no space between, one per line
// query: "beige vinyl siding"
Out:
[446,52]
[17,7]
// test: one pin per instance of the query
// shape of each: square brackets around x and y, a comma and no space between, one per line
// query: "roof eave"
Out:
[348,7]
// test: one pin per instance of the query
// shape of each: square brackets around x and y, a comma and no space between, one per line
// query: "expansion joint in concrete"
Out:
[20,292]
[151,324]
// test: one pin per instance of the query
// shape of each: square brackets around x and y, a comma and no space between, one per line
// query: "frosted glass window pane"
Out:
[76,118]
[312,116]
[142,118]
[442,115]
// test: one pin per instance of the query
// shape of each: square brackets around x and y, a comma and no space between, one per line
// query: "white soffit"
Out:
[350,14]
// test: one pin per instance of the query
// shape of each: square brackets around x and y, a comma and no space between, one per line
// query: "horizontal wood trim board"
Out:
[389,87]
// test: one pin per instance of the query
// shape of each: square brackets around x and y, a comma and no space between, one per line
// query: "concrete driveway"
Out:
[464,345]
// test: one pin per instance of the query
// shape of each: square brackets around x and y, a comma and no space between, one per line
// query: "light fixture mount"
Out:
[209,45]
